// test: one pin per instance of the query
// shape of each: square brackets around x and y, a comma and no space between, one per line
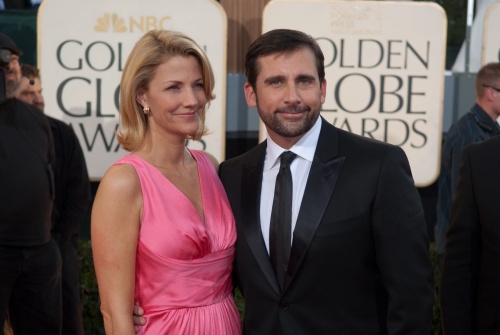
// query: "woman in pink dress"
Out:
[163,233]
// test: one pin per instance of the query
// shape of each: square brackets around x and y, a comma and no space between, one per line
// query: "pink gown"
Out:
[183,265]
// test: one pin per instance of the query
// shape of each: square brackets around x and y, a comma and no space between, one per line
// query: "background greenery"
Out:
[90,296]
[92,318]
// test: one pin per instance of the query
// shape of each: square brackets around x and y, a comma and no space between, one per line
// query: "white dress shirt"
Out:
[304,149]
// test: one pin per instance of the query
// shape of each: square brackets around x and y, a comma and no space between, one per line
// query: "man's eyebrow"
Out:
[306,76]
[271,79]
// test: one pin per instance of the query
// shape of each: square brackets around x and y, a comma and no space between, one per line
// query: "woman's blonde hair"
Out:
[152,50]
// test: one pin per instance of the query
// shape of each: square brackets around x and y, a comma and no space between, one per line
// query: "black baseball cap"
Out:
[7,43]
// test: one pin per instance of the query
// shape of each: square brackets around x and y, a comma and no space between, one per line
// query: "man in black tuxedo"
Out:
[358,250]
[359,261]
[470,286]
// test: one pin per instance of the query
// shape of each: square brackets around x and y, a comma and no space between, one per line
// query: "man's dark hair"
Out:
[487,76]
[29,71]
[281,41]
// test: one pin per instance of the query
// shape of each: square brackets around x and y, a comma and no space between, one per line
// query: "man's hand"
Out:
[139,320]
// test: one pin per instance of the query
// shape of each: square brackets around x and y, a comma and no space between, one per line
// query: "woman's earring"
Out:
[146,110]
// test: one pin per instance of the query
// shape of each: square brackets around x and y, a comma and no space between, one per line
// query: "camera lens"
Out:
[5,57]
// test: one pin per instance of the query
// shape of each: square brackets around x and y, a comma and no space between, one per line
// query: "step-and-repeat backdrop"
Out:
[83,46]
[491,38]
[385,64]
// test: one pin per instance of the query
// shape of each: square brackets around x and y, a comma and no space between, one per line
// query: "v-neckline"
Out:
[203,219]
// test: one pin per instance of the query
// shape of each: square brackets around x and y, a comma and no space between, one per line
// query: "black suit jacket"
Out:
[359,262]
[470,287]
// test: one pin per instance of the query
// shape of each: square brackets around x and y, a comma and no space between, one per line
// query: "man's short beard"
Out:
[11,87]
[290,129]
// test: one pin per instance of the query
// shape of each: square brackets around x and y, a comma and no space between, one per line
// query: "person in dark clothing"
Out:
[30,262]
[477,125]
[470,294]
[71,202]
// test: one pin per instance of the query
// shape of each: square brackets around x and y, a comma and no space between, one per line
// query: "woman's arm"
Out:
[115,226]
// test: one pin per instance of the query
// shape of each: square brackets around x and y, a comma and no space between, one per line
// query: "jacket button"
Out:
[284,305]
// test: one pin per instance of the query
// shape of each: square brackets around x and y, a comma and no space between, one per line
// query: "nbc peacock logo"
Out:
[113,23]
[110,21]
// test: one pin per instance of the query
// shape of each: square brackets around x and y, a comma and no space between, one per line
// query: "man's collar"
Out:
[484,120]
[305,147]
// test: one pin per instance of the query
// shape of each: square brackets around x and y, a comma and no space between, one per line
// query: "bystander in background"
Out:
[72,199]
[477,125]
[30,262]
[470,290]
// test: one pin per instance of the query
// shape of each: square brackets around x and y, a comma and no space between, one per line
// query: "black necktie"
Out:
[280,233]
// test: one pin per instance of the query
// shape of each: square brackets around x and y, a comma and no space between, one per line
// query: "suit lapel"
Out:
[251,190]
[323,176]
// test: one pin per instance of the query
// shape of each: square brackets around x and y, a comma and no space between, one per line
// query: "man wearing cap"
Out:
[30,262]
